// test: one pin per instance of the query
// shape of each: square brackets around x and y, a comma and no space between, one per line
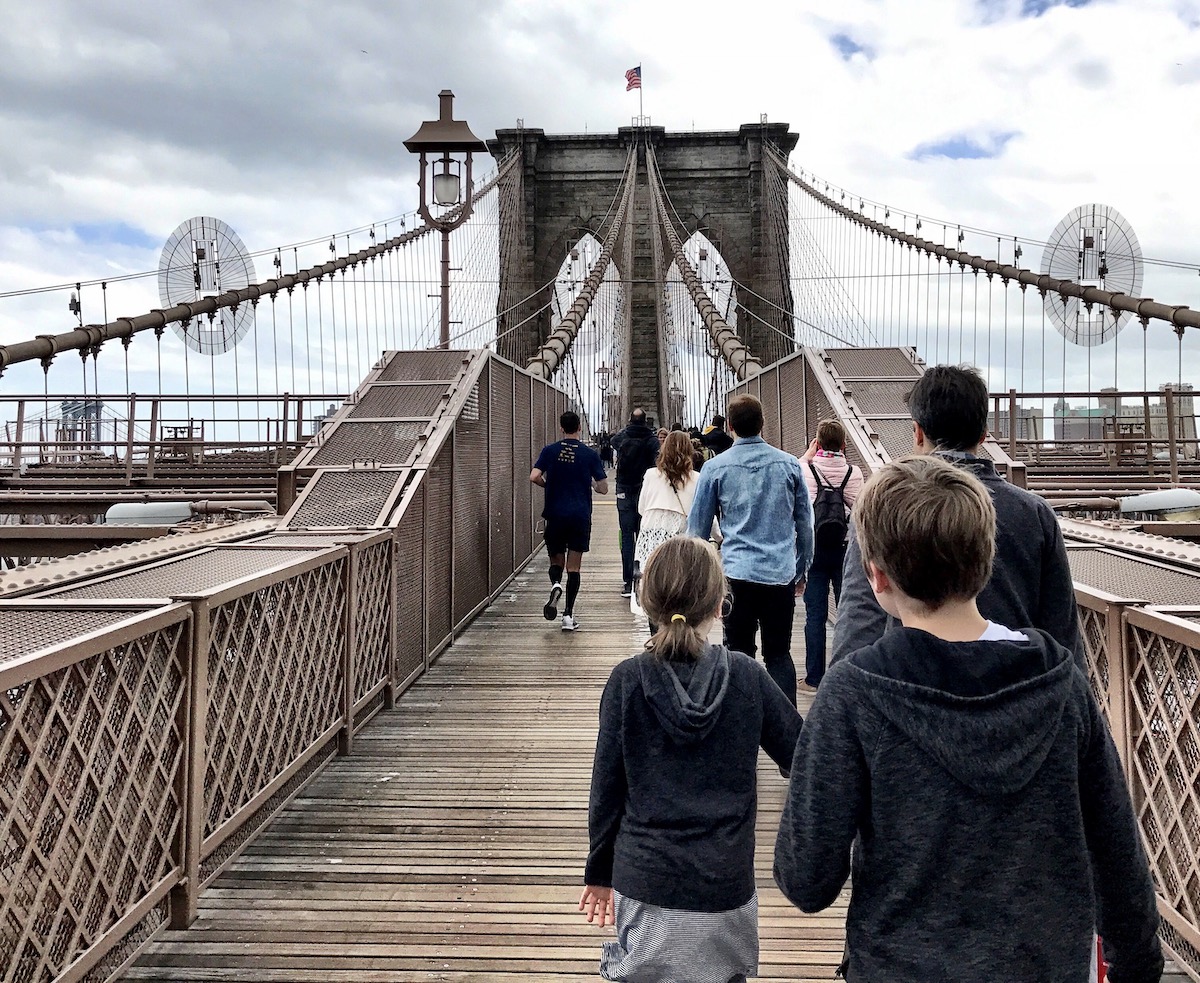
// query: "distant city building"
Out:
[1130,419]
[1029,424]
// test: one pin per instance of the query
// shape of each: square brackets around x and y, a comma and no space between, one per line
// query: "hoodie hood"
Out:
[686,697]
[987,712]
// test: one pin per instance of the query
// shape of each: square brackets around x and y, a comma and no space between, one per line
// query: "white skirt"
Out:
[662,945]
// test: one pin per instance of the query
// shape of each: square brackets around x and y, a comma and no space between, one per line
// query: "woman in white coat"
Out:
[667,492]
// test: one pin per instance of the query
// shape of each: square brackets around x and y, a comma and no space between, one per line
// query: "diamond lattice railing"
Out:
[89,756]
[373,599]
[1093,626]
[274,684]
[1165,766]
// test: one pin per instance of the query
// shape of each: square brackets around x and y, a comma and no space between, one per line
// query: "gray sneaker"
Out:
[550,610]
[569,623]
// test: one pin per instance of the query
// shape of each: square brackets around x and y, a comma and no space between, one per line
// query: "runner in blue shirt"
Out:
[568,470]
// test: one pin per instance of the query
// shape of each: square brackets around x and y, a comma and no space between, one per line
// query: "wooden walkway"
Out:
[450,845]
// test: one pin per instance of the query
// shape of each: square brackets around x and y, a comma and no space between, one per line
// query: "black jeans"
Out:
[825,572]
[631,522]
[767,608]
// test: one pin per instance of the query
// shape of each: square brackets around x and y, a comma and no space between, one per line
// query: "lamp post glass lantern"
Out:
[440,143]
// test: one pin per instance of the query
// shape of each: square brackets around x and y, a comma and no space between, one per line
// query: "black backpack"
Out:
[830,524]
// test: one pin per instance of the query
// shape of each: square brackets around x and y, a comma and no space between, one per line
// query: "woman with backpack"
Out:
[833,485]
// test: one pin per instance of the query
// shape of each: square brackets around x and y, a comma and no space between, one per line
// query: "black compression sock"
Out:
[555,574]
[572,592]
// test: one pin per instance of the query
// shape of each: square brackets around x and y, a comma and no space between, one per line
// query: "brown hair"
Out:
[675,458]
[831,435]
[745,415]
[682,587]
[931,527]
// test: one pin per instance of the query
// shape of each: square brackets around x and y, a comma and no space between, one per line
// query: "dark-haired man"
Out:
[569,470]
[715,438]
[1031,584]
[636,449]
[760,496]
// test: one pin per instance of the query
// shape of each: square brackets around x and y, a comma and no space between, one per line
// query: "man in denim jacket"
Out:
[758,494]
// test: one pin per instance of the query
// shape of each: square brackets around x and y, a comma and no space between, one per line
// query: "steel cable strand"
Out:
[551,353]
[736,354]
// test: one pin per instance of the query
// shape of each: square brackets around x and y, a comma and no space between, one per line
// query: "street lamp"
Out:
[604,380]
[445,136]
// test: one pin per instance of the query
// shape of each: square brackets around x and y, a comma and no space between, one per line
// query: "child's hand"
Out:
[813,446]
[596,904]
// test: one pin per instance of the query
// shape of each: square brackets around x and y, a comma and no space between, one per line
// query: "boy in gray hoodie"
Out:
[963,772]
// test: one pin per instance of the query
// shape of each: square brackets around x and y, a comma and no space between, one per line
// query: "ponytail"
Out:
[682,587]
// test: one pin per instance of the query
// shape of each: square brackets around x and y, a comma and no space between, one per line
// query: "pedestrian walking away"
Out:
[636,449]
[1031,583]
[766,525]
[833,485]
[569,471]
[666,497]
[964,771]
[674,786]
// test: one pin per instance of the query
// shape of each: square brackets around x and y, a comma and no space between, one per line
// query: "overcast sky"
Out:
[120,120]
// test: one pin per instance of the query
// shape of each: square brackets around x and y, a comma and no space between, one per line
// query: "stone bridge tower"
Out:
[716,183]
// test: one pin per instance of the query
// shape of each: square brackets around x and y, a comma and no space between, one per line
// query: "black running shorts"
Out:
[568,534]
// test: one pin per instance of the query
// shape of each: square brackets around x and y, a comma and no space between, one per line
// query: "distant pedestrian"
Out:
[766,521]
[672,809]
[965,771]
[1031,582]
[715,437]
[662,434]
[636,449]
[569,471]
[666,498]
[833,484]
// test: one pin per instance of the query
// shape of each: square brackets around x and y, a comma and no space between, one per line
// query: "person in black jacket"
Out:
[964,771]
[674,786]
[636,449]
[1031,583]
[715,437]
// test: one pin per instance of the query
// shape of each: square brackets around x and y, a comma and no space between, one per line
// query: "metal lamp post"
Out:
[603,380]
[445,136]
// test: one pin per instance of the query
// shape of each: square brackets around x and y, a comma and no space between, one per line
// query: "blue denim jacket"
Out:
[759,495]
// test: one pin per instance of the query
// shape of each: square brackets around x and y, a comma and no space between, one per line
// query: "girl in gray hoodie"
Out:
[674,791]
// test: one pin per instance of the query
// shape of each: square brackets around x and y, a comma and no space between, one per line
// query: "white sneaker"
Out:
[569,623]
[550,609]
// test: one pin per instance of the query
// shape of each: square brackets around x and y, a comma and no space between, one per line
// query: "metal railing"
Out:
[1144,666]
[154,719]
[138,433]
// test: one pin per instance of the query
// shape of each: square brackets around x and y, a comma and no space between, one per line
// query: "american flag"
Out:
[633,78]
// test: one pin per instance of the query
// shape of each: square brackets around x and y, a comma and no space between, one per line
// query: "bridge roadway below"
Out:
[450,845]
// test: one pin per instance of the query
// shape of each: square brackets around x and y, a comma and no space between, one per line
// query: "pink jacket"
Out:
[832,471]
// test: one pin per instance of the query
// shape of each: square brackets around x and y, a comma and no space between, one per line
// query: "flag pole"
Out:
[641,113]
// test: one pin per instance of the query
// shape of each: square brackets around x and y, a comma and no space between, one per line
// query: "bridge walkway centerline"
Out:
[450,845]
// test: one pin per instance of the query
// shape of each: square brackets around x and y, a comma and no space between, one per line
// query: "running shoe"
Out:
[550,610]
[569,623]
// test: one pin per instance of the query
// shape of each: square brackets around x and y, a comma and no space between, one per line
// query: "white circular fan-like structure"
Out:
[204,257]
[1095,247]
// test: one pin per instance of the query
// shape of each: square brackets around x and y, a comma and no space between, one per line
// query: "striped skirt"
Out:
[666,945]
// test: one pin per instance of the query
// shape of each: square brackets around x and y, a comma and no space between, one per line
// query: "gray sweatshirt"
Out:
[991,825]
[1031,582]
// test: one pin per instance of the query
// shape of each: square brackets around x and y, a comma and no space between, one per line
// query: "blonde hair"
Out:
[682,587]
[675,458]
[931,527]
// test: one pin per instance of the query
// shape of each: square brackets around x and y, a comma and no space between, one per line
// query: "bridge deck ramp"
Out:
[450,845]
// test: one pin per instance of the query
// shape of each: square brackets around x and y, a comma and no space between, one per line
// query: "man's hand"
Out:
[596,904]
[800,585]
